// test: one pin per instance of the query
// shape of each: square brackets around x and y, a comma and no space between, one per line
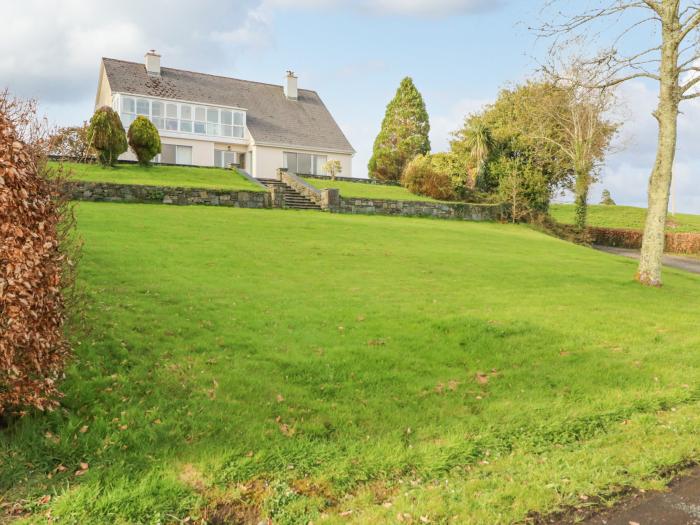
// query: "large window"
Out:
[184,118]
[304,163]
[224,158]
[172,154]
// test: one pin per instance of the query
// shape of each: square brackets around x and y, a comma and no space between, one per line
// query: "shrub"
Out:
[71,142]
[144,139]
[606,199]
[523,187]
[34,267]
[423,178]
[106,135]
[333,168]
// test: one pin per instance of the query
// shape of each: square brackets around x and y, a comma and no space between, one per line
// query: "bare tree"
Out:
[672,59]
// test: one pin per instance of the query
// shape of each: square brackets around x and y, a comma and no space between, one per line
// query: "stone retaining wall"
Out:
[110,192]
[438,210]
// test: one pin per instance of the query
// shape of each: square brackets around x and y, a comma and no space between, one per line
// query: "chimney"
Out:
[290,86]
[152,60]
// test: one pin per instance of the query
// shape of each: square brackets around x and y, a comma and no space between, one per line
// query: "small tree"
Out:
[404,134]
[523,187]
[606,199]
[72,142]
[106,134]
[144,139]
[333,168]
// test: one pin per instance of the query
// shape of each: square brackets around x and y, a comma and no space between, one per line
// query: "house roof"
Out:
[271,118]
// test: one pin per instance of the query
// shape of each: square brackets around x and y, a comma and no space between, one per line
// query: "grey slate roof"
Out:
[271,117]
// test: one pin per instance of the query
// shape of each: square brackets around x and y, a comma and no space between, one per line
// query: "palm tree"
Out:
[479,140]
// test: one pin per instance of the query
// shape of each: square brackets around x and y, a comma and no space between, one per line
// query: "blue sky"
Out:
[354,53]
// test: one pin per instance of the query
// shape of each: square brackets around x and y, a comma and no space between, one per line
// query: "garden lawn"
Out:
[623,217]
[368,191]
[234,365]
[156,175]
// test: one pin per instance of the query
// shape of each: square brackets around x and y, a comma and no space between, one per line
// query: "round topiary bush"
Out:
[144,139]
[33,271]
[106,134]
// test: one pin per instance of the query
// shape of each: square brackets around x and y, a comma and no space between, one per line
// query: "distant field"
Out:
[623,217]
[176,176]
[368,191]
[235,366]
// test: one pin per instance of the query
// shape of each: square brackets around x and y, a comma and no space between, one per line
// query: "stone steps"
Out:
[292,198]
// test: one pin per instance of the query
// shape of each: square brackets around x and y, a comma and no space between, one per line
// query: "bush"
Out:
[106,134]
[523,187]
[71,142]
[144,139]
[606,199]
[422,177]
[34,224]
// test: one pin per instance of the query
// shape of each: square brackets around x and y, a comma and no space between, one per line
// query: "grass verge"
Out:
[156,175]
[242,364]
[368,191]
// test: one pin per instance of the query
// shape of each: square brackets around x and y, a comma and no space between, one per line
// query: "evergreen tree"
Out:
[106,134]
[404,134]
[144,139]
[606,199]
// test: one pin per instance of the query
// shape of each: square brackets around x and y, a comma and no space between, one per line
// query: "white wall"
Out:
[267,160]
[202,150]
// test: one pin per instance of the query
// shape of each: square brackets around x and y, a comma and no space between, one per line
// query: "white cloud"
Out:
[51,50]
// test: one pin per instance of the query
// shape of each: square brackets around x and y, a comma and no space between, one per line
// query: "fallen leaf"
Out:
[424,519]
[84,429]
[360,318]
[280,398]
[346,513]
[482,379]
[123,427]
[44,500]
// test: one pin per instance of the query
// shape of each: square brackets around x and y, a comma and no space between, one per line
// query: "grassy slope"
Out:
[623,217]
[337,355]
[177,176]
[369,191]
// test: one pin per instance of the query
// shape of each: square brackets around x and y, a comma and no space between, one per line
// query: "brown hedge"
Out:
[686,243]
[33,350]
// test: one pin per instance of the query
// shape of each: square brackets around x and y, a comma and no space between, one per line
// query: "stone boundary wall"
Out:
[110,192]
[351,179]
[438,210]
[682,243]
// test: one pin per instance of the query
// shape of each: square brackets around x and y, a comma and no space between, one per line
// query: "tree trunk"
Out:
[649,272]
[581,199]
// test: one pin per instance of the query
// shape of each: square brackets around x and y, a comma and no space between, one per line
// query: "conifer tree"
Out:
[404,134]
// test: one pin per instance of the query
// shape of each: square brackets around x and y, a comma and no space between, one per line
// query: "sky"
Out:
[353,53]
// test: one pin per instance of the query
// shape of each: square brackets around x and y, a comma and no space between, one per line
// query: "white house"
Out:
[209,120]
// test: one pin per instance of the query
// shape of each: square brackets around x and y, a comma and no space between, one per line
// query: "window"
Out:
[173,154]
[183,155]
[200,125]
[224,158]
[143,107]
[128,111]
[171,117]
[183,118]
[290,162]
[186,118]
[304,163]
[157,114]
[213,122]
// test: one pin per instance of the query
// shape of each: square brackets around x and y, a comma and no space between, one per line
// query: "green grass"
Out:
[175,176]
[623,217]
[368,191]
[257,363]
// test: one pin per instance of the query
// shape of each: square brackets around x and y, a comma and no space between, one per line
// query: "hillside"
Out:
[623,217]
[235,364]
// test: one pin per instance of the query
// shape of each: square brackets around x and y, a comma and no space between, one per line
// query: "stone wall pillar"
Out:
[276,198]
[330,199]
